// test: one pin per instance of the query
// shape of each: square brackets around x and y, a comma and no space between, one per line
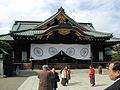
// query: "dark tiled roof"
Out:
[113,40]
[29,32]
[30,28]
[98,34]
[88,26]
[61,12]
[24,25]
[33,32]
[6,37]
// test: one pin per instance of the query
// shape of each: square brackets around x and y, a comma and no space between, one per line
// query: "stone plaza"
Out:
[79,81]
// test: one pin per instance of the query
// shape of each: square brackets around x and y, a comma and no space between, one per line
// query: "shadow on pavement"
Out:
[97,85]
[72,84]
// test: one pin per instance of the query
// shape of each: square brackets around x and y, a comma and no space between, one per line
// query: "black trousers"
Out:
[92,81]
[63,82]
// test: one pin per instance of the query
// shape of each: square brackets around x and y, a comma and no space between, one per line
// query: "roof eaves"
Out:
[28,33]
[18,24]
[56,27]
[99,34]
[114,40]
[6,37]
[88,26]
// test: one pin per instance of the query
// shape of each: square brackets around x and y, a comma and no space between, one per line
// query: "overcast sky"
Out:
[103,14]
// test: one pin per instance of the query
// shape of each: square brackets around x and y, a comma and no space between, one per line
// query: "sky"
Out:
[103,14]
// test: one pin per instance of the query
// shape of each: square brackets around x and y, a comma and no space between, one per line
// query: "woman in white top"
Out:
[63,76]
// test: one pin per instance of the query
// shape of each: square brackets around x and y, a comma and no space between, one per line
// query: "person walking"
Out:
[100,70]
[45,77]
[55,79]
[68,76]
[92,75]
[114,74]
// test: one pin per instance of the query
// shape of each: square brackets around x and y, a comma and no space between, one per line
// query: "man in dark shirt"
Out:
[55,79]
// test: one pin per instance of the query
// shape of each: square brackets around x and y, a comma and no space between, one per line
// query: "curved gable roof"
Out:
[29,28]
[60,15]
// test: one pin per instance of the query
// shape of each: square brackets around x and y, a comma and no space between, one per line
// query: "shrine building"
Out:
[58,41]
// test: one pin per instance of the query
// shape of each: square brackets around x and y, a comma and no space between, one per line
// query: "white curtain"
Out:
[44,51]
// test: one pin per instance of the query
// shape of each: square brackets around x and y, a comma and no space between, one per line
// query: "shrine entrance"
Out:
[60,60]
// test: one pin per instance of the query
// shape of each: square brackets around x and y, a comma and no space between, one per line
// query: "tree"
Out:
[5,45]
[5,50]
[116,53]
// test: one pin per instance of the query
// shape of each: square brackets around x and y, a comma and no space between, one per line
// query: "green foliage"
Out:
[7,58]
[116,54]
[5,45]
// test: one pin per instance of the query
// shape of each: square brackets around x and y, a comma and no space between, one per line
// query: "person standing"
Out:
[114,74]
[45,77]
[92,75]
[55,79]
[100,69]
[64,76]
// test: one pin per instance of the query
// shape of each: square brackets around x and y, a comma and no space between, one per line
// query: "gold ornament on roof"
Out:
[50,33]
[78,34]
[39,36]
[87,38]
[61,19]
[64,31]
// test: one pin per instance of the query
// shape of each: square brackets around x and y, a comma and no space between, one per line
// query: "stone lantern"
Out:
[2,51]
